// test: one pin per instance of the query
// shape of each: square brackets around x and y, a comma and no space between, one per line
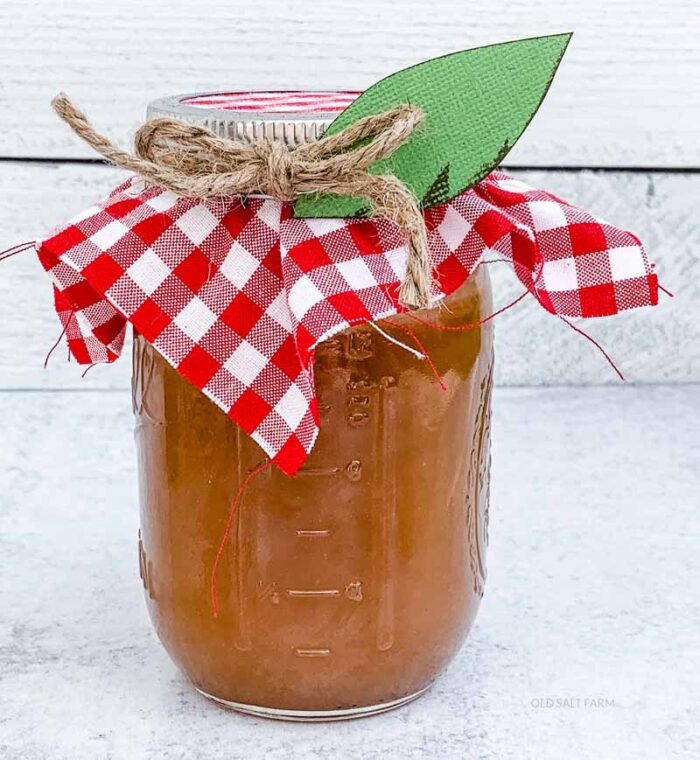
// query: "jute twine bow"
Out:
[192,161]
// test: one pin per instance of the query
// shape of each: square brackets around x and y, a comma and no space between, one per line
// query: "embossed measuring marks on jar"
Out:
[337,523]
[146,570]
[352,590]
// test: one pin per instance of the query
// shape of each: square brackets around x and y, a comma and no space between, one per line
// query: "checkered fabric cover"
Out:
[237,295]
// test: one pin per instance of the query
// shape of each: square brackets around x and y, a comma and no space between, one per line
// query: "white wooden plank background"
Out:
[627,93]
[626,96]
[650,345]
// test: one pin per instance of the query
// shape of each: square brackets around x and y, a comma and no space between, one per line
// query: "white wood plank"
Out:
[626,95]
[650,345]
[37,197]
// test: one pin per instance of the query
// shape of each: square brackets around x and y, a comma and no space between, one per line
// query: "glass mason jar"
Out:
[347,589]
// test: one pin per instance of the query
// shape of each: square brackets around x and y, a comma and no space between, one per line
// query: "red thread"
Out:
[437,326]
[421,348]
[668,292]
[58,340]
[505,308]
[471,325]
[227,532]
[15,249]
[595,343]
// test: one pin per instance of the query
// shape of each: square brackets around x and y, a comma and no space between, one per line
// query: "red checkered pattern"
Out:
[236,296]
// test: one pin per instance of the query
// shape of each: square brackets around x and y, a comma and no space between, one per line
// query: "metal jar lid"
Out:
[290,116]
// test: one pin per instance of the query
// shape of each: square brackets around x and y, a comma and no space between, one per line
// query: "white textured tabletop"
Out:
[586,645]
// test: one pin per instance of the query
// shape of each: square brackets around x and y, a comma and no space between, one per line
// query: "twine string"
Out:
[193,162]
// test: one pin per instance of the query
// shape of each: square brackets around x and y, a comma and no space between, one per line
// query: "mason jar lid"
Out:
[289,116]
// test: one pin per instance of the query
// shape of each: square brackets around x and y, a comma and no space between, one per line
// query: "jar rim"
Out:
[290,116]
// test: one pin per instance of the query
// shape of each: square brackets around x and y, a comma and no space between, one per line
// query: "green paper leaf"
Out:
[477,103]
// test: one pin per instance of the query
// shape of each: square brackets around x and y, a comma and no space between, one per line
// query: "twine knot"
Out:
[279,169]
[192,161]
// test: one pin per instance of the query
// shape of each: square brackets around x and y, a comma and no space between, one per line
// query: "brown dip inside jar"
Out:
[346,589]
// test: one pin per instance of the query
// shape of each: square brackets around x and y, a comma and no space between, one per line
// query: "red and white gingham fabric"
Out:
[236,296]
